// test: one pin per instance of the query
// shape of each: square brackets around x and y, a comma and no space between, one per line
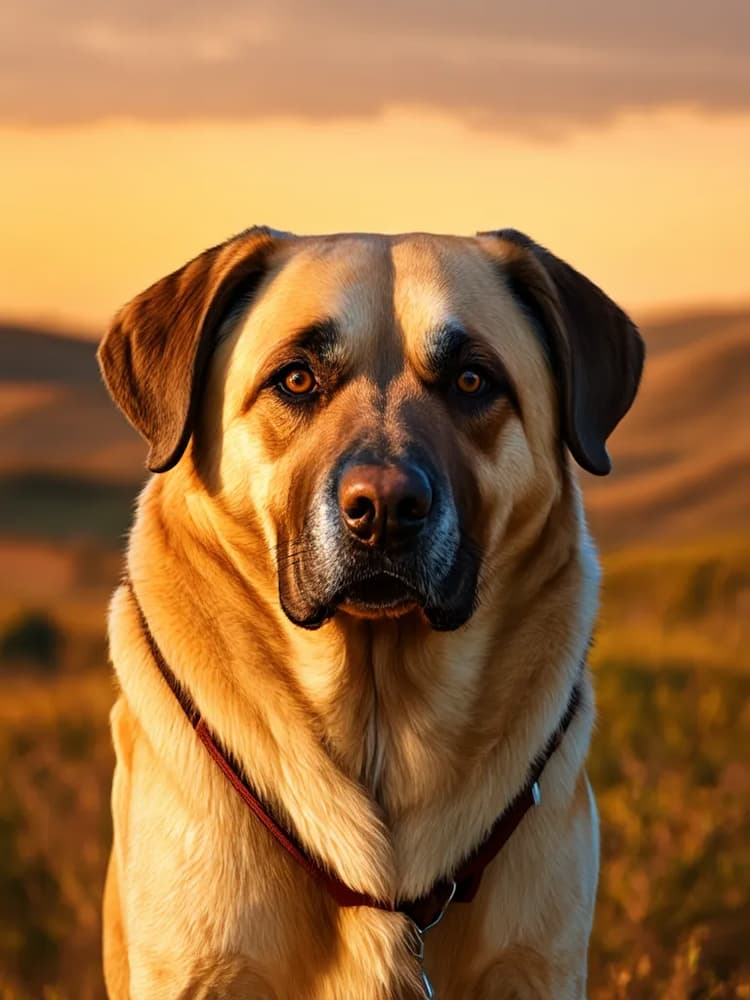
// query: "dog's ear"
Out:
[155,354]
[595,349]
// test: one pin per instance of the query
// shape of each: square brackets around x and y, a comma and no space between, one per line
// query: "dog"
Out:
[351,640]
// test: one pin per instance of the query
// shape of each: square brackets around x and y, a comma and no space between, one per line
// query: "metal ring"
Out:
[428,927]
[419,932]
[418,951]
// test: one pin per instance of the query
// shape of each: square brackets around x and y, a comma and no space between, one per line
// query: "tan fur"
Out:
[391,746]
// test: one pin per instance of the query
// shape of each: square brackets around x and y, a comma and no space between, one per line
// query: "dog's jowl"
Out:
[351,639]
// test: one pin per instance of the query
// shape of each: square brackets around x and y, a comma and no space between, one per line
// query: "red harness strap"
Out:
[461,887]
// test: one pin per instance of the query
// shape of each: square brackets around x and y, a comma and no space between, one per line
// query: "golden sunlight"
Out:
[654,207]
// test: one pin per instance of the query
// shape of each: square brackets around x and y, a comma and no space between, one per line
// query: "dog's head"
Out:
[381,408]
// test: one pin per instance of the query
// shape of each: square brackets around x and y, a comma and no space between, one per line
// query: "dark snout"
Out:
[382,539]
[384,506]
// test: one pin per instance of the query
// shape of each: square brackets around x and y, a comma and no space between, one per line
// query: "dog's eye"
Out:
[470,382]
[298,381]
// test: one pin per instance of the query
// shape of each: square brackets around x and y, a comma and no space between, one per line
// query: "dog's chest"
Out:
[224,896]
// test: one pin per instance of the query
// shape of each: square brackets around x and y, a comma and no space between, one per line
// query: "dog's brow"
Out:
[321,338]
[444,344]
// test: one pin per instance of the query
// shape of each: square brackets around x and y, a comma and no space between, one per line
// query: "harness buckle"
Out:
[419,933]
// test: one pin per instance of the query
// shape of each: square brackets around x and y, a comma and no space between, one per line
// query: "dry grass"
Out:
[688,605]
[670,763]
[54,832]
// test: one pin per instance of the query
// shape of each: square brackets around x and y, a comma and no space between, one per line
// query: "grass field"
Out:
[670,764]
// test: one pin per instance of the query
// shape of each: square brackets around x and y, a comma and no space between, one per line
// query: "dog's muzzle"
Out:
[382,539]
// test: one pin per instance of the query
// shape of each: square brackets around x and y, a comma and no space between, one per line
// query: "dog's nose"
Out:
[384,505]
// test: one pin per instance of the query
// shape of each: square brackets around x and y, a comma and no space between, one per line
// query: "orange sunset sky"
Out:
[134,134]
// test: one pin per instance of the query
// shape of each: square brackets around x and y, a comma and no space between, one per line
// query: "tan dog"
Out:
[366,564]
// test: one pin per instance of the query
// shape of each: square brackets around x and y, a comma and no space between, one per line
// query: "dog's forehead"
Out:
[346,278]
[442,281]
[395,290]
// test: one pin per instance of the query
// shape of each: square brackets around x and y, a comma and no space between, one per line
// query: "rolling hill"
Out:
[55,415]
[681,457]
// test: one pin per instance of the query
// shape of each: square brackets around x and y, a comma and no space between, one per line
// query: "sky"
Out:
[134,134]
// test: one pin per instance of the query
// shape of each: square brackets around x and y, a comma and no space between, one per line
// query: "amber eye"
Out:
[298,381]
[469,382]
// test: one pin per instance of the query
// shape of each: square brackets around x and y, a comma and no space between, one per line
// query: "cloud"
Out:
[535,66]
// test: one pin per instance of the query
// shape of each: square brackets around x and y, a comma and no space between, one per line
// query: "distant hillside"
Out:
[55,414]
[30,355]
[681,457]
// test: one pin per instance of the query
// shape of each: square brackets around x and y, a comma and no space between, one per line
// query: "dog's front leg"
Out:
[525,975]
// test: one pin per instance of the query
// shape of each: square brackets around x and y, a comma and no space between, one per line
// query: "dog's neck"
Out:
[403,712]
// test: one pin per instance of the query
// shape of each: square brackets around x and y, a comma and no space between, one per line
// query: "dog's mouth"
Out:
[380,594]
[379,587]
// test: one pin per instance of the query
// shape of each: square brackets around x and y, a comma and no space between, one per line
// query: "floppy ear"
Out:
[595,349]
[156,351]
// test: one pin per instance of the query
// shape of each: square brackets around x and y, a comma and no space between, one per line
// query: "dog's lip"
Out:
[381,591]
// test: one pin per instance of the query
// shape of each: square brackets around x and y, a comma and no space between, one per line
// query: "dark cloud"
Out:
[536,65]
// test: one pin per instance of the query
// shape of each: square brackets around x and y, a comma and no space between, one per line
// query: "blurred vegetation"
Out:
[34,638]
[670,764]
[56,506]
[671,768]
[55,771]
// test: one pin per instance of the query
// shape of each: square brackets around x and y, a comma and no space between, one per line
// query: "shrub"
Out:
[33,638]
